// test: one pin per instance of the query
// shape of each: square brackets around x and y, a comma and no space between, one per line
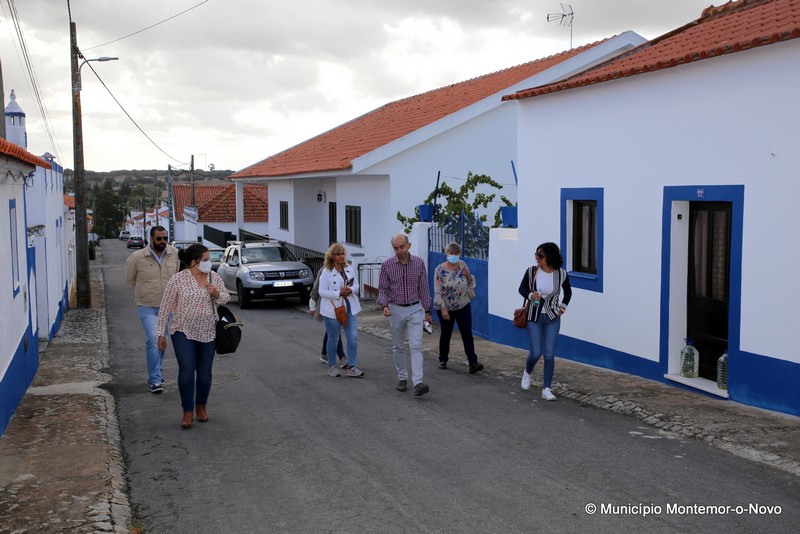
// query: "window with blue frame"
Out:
[12,219]
[582,236]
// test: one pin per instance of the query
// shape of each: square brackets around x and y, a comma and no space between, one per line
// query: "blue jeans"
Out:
[332,327]
[339,347]
[195,359]
[155,358]
[542,336]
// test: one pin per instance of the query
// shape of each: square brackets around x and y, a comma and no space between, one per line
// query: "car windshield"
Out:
[266,254]
[215,255]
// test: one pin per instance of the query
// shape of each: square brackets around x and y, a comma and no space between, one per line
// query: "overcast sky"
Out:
[235,81]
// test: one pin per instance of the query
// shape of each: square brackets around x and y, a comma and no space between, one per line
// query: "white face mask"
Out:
[204,266]
[453,259]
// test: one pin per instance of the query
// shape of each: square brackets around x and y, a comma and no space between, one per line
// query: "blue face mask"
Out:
[453,259]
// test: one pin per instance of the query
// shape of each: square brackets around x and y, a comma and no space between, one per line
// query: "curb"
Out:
[675,425]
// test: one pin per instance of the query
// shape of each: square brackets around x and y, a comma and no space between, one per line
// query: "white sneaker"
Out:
[526,381]
[548,395]
[333,371]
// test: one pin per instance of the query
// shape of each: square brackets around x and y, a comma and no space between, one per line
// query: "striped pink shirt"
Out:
[194,311]
[404,284]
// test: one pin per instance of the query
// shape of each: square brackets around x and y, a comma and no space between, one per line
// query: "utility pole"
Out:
[83,290]
[171,202]
[193,204]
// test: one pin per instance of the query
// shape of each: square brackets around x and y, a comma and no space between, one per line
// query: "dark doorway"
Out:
[709,282]
[332,223]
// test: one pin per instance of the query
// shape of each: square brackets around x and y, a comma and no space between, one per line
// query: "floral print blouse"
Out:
[452,289]
[193,310]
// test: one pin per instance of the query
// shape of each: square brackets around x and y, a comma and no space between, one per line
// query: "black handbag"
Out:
[229,331]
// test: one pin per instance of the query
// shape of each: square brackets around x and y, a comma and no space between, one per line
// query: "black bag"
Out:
[229,331]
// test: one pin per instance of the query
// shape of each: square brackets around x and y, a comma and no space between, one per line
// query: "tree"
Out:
[464,201]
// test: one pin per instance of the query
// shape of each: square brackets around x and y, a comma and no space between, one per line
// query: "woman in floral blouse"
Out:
[453,288]
[191,298]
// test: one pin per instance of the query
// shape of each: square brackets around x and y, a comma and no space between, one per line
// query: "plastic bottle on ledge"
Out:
[690,360]
[722,371]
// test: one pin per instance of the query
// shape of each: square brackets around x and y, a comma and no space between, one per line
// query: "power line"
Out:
[131,118]
[32,80]
[151,26]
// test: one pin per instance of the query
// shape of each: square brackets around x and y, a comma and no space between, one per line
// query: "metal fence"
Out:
[313,258]
[368,276]
[468,231]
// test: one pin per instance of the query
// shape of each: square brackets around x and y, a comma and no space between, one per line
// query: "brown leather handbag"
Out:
[520,319]
[341,313]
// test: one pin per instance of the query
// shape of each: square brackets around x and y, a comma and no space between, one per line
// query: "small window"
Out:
[352,222]
[284,215]
[584,236]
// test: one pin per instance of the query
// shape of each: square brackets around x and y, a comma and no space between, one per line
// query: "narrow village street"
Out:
[289,449]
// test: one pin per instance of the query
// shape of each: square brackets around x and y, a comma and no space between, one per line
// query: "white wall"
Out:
[378,223]
[483,145]
[12,331]
[724,121]
[278,191]
[310,221]
[45,204]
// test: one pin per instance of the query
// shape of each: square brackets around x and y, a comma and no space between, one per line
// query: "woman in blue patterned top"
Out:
[453,289]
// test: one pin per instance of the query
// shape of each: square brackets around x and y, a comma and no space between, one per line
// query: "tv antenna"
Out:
[564,19]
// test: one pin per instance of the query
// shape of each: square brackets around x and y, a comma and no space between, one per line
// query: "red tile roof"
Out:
[335,149]
[732,27]
[217,203]
[69,201]
[17,152]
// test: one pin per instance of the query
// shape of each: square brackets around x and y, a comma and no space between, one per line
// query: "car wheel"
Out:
[244,298]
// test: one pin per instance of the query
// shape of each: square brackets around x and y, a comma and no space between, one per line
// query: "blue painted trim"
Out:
[18,376]
[589,282]
[16,275]
[764,382]
[775,390]
[700,193]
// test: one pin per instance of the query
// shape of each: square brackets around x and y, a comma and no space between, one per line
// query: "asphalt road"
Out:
[289,449]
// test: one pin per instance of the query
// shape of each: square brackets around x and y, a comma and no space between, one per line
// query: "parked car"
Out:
[264,271]
[216,257]
[124,235]
[135,241]
[182,244]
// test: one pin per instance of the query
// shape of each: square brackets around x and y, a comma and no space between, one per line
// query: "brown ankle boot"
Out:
[186,423]
[202,414]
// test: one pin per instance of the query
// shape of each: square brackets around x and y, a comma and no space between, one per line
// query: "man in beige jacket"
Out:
[148,271]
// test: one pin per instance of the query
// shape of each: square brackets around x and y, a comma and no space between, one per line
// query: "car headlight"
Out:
[257,276]
[305,273]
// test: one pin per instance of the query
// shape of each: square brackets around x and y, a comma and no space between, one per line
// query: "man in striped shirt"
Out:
[403,292]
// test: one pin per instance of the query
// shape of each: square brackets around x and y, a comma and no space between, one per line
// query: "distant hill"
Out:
[146,177]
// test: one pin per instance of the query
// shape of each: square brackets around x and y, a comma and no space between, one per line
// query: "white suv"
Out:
[124,235]
[264,271]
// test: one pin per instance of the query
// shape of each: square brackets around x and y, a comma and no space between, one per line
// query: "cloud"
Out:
[239,80]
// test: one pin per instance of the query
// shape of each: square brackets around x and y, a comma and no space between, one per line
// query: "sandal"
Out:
[442,365]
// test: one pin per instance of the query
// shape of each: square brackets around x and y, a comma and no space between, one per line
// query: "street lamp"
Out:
[83,289]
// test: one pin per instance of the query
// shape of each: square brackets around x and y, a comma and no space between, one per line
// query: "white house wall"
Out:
[728,121]
[483,145]
[281,191]
[378,221]
[13,294]
[45,205]
[305,223]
